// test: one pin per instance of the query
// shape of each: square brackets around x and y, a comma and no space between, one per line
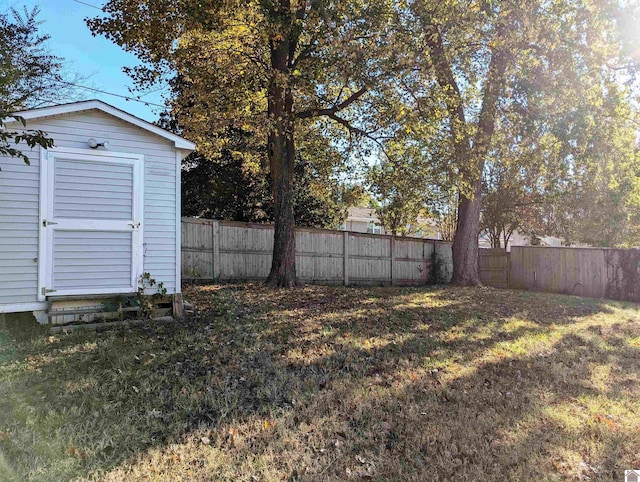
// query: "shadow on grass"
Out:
[327,383]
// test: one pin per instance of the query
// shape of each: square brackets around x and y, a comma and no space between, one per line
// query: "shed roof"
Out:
[84,105]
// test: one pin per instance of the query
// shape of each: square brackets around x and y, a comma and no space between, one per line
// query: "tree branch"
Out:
[305,114]
[444,73]
[345,123]
[453,97]
[353,130]
[302,9]
[305,53]
[620,67]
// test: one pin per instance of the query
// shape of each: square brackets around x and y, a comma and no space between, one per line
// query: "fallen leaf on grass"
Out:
[230,437]
[598,417]
[363,475]
[267,424]
[73,451]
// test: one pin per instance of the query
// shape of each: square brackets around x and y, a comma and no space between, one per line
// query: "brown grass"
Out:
[322,383]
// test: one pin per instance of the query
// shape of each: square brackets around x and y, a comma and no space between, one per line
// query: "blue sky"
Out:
[98,60]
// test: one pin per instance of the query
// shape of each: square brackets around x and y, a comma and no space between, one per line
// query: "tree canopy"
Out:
[574,177]
[30,77]
[512,70]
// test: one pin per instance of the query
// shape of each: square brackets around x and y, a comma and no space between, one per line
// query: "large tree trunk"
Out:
[283,266]
[465,241]
[282,161]
[281,152]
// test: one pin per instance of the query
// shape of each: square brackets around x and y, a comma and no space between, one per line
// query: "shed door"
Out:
[92,222]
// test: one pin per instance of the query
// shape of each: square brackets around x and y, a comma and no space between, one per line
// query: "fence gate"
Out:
[494,267]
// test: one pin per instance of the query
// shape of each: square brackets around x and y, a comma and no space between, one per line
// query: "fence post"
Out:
[215,249]
[345,257]
[431,276]
[392,242]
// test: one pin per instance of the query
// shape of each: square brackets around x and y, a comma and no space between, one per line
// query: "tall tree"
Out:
[266,66]
[444,212]
[571,171]
[481,60]
[231,185]
[601,193]
[503,200]
[520,181]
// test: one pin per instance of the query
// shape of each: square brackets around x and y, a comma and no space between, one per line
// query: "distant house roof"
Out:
[85,105]
[357,213]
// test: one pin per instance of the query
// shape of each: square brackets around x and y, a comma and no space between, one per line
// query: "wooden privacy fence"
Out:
[493,265]
[594,272]
[233,251]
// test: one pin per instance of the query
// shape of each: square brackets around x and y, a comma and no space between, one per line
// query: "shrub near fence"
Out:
[233,251]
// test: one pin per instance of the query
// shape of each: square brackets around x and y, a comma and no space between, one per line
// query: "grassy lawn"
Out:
[325,383]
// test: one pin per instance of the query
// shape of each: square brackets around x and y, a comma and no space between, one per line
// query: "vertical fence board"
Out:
[412,263]
[345,258]
[369,259]
[319,256]
[197,254]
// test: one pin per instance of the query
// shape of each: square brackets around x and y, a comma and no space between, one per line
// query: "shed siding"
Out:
[19,217]
[19,191]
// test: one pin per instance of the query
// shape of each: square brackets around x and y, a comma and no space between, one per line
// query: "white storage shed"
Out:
[92,214]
